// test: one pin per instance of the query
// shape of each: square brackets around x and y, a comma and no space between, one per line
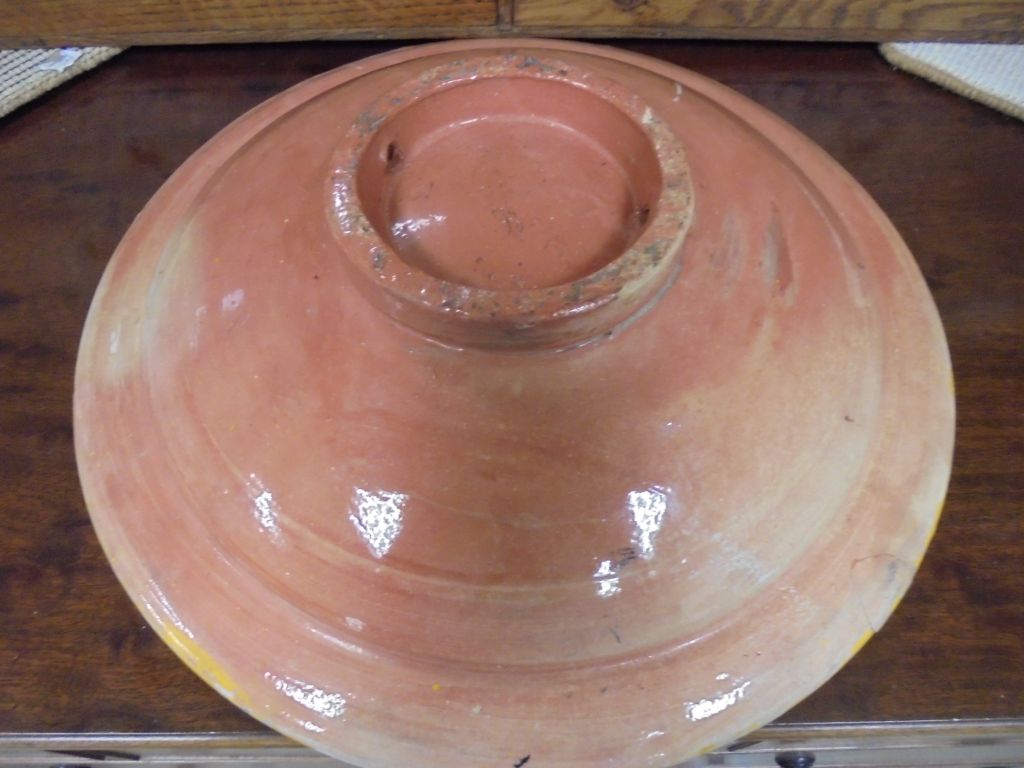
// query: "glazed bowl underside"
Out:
[617,551]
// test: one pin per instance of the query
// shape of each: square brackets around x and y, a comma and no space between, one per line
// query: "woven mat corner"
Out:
[989,73]
[27,73]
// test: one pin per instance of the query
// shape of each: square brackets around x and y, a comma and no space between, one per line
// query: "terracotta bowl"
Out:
[496,399]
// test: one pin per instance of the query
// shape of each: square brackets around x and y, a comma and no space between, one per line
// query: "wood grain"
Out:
[76,165]
[127,22]
[124,22]
[777,19]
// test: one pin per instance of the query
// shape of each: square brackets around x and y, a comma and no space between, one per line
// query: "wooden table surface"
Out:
[78,164]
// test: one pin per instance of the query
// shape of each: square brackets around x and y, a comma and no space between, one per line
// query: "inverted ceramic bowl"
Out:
[491,399]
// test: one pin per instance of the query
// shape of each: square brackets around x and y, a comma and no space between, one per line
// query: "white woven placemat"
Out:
[989,73]
[26,73]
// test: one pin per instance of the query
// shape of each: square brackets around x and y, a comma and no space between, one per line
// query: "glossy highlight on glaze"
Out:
[411,501]
[377,516]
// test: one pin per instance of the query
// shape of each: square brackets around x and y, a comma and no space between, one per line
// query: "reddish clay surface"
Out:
[511,183]
[412,508]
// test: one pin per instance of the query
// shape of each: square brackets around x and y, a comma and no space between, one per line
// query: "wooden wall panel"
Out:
[140,22]
[26,23]
[778,19]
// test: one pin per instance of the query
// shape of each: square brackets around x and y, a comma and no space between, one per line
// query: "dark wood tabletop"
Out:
[79,163]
